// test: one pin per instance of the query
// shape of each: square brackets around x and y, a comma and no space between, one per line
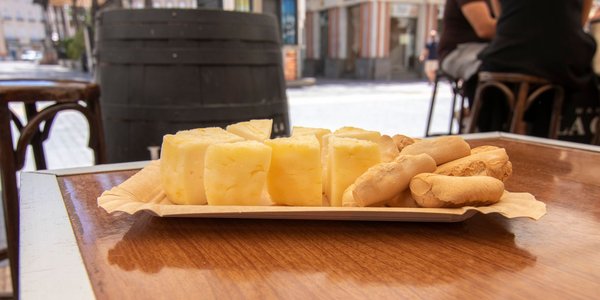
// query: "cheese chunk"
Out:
[348,159]
[236,173]
[295,174]
[255,130]
[182,162]
[318,132]
[358,133]
[348,132]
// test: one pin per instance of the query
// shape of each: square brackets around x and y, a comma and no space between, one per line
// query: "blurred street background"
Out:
[385,106]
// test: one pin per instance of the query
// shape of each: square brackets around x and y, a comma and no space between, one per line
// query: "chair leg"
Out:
[36,140]
[461,115]
[556,113]
[452,107]
[517,123]
[476,108]
[9,193]
[431,105]
[96,127]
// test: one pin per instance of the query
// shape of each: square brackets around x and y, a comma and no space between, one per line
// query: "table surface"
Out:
[486,256]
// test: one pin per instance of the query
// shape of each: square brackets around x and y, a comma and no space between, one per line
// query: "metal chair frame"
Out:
[457,90]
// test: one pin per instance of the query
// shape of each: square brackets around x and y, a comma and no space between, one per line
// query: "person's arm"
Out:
[585,12]
[480,18]
[424,54]
[496,8]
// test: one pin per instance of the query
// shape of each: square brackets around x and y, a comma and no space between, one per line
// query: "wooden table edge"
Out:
[38,277]
[41,257]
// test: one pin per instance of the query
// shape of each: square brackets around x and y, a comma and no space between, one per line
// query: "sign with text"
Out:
[289,22]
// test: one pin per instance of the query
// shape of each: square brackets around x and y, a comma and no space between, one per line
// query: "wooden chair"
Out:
[65,95]
[457,90]
[596,140]
[521,91]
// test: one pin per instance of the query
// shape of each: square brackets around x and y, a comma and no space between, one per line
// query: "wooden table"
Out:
[72,248]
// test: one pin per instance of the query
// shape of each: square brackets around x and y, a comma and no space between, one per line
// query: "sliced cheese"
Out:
[236,173]
[295,174]
[348,159]
[182,162]
[255,130]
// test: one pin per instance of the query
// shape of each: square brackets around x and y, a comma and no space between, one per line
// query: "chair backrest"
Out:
[520,90]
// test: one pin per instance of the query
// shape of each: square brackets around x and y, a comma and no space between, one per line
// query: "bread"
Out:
[402,141]
[384,181]
[404,199]
[387,148]
[483,149]
[492,162]
[441,149]
[434,190]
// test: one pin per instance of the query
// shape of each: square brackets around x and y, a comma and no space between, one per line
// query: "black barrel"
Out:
[164,70]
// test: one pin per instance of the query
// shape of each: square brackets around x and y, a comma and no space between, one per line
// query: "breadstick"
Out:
[491,162]
[387,148]
[434,190]
[442,149]
[483,149]
[402,141]
[384,181]
[404,199]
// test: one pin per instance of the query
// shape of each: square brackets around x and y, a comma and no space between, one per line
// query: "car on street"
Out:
[31,55]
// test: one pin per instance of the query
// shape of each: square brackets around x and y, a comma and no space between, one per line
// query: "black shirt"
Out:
[542,38]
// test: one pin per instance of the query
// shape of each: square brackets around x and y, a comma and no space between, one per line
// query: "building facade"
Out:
[368,39]
[21,27]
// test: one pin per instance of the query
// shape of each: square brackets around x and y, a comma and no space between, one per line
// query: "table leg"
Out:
[36,140]
[9,193]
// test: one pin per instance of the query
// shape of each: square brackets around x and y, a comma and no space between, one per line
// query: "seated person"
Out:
[468,27]
[545,39]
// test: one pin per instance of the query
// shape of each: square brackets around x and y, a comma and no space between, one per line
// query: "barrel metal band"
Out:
[191,113]
[185,31]
[190,56]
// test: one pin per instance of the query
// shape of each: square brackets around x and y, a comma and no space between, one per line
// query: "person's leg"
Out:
[469,88]
[494,111]
[539,114]
[430,68]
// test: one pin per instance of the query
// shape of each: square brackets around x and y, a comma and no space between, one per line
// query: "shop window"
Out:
[210,4]
[243,5]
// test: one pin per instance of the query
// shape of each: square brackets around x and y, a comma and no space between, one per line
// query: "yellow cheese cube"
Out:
[348,159]
[182,163]
[348,132]
[236,173]
[295,174]
[318,132]
[255,130]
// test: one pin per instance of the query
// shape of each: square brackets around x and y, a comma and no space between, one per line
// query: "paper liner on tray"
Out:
[143,192]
